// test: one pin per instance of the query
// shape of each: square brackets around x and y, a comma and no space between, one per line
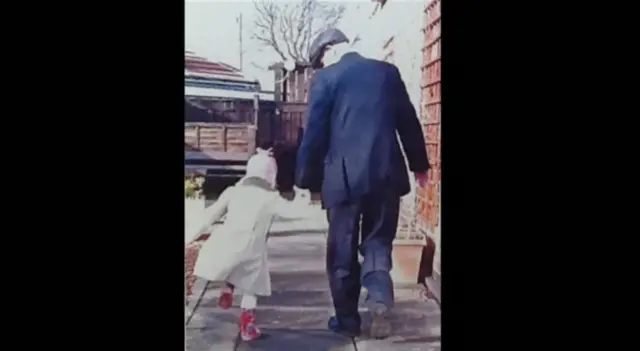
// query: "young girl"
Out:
[264,158]
[236,252]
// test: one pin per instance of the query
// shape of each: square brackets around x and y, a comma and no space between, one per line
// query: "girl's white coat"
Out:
[236,251]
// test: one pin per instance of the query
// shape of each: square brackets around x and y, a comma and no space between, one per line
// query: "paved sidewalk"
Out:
[295,317]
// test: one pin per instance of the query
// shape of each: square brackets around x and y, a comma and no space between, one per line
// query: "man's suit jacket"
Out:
[356,106]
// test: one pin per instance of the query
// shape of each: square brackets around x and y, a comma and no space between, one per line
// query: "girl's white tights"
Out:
[249,302]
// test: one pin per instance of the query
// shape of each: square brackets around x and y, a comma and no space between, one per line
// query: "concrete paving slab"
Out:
[209,329]
[309,218]
[317,301]
[284,285]
[302,280]
[298,229]
[410,298]
[210,339]
[309,241]
[298,340]
[396,345]
[279,317]
[413,329]
[284,299]
[293,318]
[192,301]
[297,262]
[209,317]
[305,299]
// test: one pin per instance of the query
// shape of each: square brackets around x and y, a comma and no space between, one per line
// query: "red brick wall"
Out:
[428,216]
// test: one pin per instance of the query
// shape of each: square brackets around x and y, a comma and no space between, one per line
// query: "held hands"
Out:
[301,196]
[268,152]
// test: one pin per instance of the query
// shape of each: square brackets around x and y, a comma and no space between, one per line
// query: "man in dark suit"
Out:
[357,108]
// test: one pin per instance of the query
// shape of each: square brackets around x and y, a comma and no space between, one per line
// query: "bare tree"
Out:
[289,28]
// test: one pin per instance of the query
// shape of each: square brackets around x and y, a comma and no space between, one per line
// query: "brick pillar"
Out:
[428,218]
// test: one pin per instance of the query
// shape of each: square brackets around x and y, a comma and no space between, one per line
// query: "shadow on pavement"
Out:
[299,281]
[298,340]
[298,298]
[291,219]
[207,339]
[426,339]
[409,325]
[286,233]
[323,299]
[211,330]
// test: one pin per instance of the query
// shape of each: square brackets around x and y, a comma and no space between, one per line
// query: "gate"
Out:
[283,125]
[286,125]
[285,128]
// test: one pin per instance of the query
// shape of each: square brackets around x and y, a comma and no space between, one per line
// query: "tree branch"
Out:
[290,29]
[303,29]
[266,21]
[286,30]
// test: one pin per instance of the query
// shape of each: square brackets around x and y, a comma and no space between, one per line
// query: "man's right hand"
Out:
[268,152]
[421,178]
[301,195]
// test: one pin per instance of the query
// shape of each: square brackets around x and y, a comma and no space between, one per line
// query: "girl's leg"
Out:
[248,329]
[226,296]
[249,302]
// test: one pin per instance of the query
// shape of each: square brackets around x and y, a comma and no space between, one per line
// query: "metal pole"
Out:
[256,108]
[240,37]
[253,127]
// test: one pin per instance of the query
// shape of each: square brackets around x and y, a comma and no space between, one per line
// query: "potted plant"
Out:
[193,186]
[408,248]
[194,201]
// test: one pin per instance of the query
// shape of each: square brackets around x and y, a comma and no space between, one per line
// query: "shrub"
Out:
[193,186]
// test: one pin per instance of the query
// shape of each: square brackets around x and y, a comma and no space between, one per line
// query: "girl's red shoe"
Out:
[225,300]
[248,329]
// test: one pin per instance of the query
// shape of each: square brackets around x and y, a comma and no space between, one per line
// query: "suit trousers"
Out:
[367,225]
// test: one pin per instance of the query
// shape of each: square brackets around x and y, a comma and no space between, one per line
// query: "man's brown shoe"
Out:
[380,324]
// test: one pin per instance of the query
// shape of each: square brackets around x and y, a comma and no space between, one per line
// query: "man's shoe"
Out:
[335,327]
[380,324]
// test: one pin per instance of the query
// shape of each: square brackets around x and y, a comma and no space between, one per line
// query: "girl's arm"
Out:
[211,215]
[293,209]
[273,172]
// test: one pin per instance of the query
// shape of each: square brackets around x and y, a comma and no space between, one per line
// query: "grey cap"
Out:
[331,36]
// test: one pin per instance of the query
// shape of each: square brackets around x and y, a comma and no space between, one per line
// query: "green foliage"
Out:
[193,186]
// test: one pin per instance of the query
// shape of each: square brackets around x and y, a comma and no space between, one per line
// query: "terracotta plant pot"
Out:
[426,266]
[407,256]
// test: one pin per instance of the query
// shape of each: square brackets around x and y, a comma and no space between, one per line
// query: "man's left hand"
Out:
[421,178]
